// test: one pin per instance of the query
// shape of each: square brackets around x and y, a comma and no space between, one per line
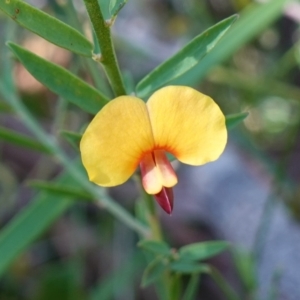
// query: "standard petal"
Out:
[115,141]
[188,124]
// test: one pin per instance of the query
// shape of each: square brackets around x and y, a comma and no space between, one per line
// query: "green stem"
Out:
[152,217]
[108,56]
[164,287]
[98,79]
[51,144]
[227,290]
[192,287]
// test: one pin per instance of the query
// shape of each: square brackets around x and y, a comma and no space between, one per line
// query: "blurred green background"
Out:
[85,253]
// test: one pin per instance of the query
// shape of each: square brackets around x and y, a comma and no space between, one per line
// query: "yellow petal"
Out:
[115,141]
[188,124]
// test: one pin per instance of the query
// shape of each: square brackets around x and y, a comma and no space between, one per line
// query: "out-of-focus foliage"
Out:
[55,243]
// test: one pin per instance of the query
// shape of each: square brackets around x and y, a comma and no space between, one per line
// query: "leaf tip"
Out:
[10,44]
[234,119]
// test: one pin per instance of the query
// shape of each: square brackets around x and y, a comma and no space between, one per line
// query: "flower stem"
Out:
[108,56]
[152,217]
[164,287]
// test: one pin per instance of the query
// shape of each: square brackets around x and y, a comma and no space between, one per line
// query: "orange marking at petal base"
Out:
[165,199]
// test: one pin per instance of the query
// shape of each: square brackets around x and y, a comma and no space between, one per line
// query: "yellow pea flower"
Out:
[128,133]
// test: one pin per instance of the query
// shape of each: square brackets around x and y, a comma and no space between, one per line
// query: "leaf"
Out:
[72,137]
[187,267]
[235,119]
[246,268]
[21,140]
[112,5]
[30,223]
[192,287]
[175,286]
[203,250]
[153,271]
[157,247]
[59,189]
[256,85]
[8,185]
[115,6]
[243,31]
[225,287]
[47,26]
[60,81]
[184,60]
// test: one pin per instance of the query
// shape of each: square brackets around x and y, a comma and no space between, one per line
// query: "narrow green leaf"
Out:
[226,288]
[243,31]
[154,271]
[235,119]
[30,223]
[72,137]
[256,85]
[246,268]
[185,59]
[187,267]
[21,140]
[60,81]
[192,287]
[155,247]
[175,286]
[203,250]
[115,6]
[8,185]
[47,26]
[60,189]
[112,5]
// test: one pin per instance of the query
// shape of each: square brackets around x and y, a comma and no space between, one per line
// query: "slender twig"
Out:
[92,68]
[108,56]
[51,144]
[228,291]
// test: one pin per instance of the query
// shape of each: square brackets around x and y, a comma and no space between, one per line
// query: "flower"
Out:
[128,132]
